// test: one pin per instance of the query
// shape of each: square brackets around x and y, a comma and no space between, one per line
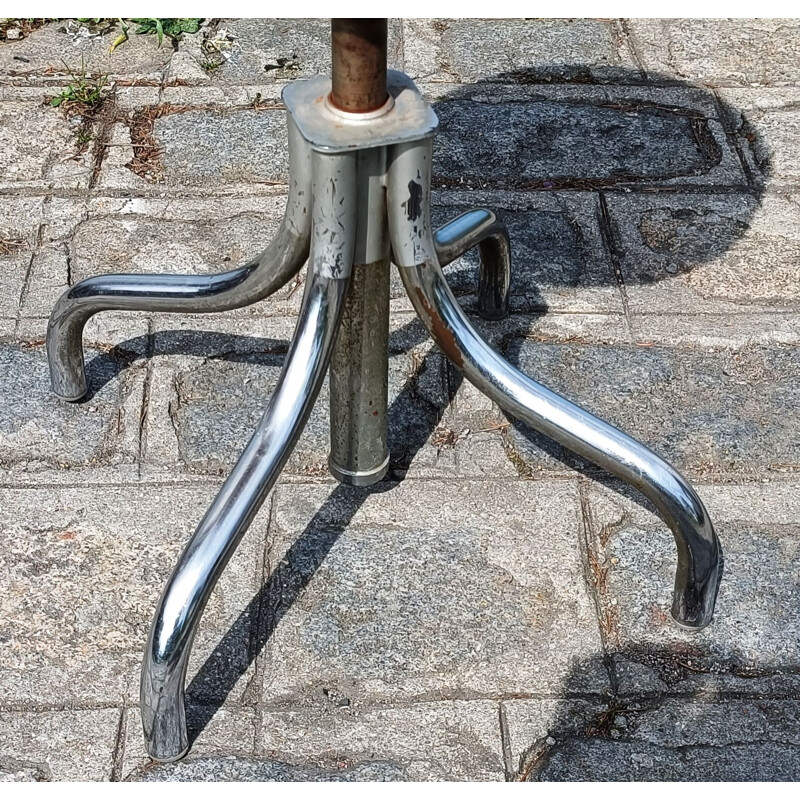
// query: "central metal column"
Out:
[360,365]
[359,380]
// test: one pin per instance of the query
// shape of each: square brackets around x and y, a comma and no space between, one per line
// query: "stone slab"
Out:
[46,282]
[191,237]
[674,722]
[19,229]
[475,428]
[12,280]
[39,149]
[118,158]
[218,148]
[82,569]
[604,760]
[556,327]
[751,644]
[525,51]
[135,97]
[45,50]
[276,50]
[61,745]
[720,52]
[766,123]
[681,740]
[222,97]
[273,50]
[48,276]
[239,769]
[622,135]
[184,208]
[61,214]
[40,431]
[771,502]
[693,253]
[718,330]
[202,414]
[650,737]
[37,94]
[709,412]
[452,741]
[242,360]
[428,589]
[113,336]
[220,334]
[181,236]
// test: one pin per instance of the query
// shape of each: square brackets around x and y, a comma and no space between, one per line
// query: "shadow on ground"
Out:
[689,736]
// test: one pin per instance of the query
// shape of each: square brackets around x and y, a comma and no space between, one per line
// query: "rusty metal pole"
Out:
[358,61]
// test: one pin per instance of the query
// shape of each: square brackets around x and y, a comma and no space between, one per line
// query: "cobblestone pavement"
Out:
[499,608]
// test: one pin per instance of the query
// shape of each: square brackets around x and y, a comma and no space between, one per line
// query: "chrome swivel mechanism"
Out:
[360,149]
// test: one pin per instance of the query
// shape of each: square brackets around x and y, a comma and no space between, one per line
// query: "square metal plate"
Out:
[325,129]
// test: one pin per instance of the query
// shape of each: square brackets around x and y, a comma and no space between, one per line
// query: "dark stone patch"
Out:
[553,253]
[676,239]
[608,760]
[682,232]
[547,144]
[711,240]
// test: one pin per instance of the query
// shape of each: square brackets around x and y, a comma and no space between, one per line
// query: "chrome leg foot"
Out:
[414,251]
[195,294]
[480,227]
[181,605]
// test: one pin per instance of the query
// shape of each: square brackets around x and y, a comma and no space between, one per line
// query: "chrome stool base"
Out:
[359,197]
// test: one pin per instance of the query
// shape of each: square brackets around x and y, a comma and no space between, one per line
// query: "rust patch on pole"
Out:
[358,56]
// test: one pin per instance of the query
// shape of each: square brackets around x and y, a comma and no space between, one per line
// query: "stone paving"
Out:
[498,608]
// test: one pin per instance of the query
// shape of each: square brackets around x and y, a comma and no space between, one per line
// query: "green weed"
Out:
[83,89]
[83,137]
[172,28]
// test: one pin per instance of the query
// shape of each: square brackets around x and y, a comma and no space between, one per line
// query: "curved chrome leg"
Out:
[185,595]
[480,227]
[283,258]
[699,552]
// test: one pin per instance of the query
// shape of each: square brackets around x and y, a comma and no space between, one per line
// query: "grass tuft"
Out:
[83,90]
